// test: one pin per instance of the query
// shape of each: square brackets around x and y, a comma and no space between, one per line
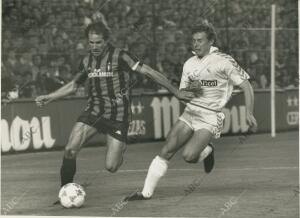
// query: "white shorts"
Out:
[204,119]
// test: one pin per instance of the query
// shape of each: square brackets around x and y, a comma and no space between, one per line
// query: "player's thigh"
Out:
[196,144]
[114,153]
[177,137]
[80,134]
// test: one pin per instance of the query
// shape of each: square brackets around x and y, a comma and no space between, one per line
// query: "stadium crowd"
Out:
[43,41]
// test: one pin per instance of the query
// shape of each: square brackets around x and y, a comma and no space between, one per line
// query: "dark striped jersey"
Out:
[108,77]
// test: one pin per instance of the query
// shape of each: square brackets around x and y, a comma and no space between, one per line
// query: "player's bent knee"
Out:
[70,153]
[111,167]
[190,158]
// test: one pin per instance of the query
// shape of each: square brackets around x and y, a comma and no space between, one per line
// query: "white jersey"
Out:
[218,73]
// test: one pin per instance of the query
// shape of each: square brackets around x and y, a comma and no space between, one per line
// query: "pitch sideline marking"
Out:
[218,169]
[145,170]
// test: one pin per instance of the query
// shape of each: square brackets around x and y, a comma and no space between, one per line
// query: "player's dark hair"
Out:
[98,28]
[206,27]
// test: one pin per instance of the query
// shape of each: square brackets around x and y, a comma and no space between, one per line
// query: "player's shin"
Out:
[67,170]
[156,171]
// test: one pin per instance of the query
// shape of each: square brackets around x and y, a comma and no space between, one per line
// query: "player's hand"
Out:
[43,100]
[194,87]
[185,95]
[251,121]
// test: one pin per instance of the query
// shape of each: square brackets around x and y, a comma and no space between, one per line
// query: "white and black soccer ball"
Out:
[71,195]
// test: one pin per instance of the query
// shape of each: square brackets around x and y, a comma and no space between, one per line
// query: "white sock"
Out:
[157,169]
[207,150]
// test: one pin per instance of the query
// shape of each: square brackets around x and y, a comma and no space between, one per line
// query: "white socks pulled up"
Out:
[156,171]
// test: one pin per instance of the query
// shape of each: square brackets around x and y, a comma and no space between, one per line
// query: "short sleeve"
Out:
[130,61]
[234,72]
[81,75]
[185,81]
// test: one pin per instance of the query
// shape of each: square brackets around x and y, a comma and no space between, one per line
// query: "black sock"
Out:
[67,171]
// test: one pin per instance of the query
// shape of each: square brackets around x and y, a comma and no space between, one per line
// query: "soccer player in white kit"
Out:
[202,118]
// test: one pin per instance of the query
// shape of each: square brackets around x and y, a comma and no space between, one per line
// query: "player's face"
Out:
[97,43]
[201,44]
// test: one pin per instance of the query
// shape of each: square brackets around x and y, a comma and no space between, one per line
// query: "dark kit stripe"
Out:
[99,107]
[107,104]
[110,85]
[91,98]
[123,115]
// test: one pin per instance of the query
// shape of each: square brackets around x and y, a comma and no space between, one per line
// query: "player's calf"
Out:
[68,168]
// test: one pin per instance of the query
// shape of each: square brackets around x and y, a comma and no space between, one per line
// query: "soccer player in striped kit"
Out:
[202,118]
[107,70]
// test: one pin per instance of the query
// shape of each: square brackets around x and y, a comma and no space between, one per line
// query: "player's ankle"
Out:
[161,158]
[146,194]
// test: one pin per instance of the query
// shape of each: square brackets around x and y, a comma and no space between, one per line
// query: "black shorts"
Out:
[116,129]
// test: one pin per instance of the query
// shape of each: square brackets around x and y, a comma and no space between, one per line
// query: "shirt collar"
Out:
[211,50]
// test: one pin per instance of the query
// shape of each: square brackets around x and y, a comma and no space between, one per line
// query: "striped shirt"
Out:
[218,73]
[108,77]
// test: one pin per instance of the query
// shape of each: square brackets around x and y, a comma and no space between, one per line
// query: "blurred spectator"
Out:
[58,51]
[51,30]
[169,51]
[65,74]
[288,81]
[7,82]
[37,64]
[28,87]
[41,78]
[168,69]
[25,62]
[49,80]
[257,72]
[12,64]
[18,43]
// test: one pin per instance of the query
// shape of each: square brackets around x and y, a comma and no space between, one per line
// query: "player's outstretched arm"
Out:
[66,90]
[162,80]
[249,99]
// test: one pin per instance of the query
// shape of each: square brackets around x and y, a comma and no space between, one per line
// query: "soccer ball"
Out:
[71,195]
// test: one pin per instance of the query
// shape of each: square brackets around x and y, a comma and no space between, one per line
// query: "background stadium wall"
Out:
[25,127]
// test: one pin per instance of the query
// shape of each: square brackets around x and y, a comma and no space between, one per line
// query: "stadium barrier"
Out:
[25,127]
